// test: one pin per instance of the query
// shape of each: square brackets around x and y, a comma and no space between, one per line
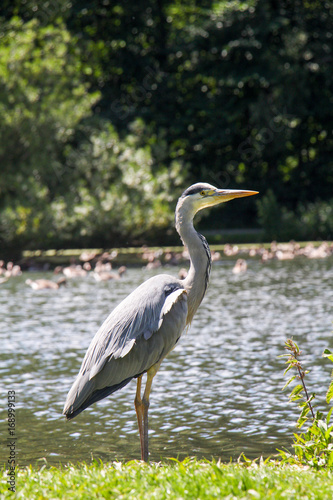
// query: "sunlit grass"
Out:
[190,479]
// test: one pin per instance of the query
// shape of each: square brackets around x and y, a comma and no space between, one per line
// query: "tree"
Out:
[42,99]
[240,91]
[234,93]
[68,177]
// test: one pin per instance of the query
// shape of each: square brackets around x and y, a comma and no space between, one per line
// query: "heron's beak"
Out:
[222,195]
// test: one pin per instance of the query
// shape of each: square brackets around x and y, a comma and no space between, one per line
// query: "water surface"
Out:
[216,395]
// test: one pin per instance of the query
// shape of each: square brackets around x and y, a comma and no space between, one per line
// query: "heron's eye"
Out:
[203,193]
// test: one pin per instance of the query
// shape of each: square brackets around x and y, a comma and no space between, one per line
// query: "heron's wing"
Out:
[139,333]
[139,316]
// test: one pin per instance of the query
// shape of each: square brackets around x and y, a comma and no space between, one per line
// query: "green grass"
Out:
[190,479]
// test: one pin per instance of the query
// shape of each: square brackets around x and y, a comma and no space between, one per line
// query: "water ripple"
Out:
[217,394]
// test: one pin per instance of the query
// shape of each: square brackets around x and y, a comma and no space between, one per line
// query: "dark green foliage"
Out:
[233,93]
[312,220]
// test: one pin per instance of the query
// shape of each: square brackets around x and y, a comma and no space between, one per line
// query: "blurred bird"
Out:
[74,271]
[240,266]
[41,284]
[12,270]
[107,275]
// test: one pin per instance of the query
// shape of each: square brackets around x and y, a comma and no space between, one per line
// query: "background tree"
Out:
[236,94]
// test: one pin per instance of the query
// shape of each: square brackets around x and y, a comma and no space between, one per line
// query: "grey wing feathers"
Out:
[140,331]
[140,314]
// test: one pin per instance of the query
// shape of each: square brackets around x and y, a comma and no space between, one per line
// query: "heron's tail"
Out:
[71,409]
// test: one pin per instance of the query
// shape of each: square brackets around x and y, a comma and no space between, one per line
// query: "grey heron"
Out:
[140,332]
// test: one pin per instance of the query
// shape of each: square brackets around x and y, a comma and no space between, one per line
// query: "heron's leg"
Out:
[145,402]
[141,408]
[139,412]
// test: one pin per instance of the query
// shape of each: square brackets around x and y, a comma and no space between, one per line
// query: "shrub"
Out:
[313,447]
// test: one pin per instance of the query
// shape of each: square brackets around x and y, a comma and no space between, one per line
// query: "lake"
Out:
[218,394]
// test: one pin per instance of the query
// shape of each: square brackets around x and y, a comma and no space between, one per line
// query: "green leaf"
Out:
[329,434]
[322,426]
[288,382]
[329,394]
[328,418]
[314,430]
[296,390]
[305,411]
[328,354]
[330,459]
[291,364]
[301,422]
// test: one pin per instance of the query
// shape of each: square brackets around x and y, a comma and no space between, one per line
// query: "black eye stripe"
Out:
[194,190]
[191,191]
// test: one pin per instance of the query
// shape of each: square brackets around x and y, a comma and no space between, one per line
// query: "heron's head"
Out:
[203,195]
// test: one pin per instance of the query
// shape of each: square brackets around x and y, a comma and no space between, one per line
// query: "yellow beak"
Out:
[222,195]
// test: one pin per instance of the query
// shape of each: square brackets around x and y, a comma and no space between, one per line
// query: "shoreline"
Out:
[137,256]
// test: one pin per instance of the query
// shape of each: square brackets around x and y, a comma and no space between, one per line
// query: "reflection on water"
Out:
[217,394]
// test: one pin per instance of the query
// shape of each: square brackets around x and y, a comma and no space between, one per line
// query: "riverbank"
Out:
[175,255]
[190,479]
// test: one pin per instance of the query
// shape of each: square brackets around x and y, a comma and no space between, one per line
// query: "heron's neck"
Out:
[196,281]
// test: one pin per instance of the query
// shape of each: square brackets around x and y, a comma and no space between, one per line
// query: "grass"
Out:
[190,479]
